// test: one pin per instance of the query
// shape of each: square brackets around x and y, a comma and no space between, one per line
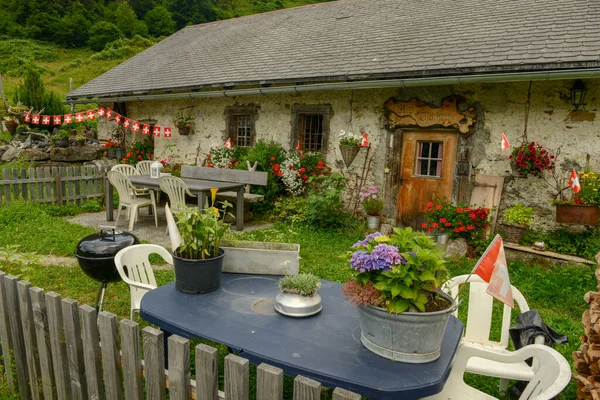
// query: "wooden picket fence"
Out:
[52,184]
[54,349]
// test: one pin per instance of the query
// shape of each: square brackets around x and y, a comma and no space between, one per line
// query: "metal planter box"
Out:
[577,214]
[261,258]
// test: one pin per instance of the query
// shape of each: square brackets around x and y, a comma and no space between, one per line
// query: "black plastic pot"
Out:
[61,143]
[198,276]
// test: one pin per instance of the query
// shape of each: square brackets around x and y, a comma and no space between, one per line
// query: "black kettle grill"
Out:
[96,256]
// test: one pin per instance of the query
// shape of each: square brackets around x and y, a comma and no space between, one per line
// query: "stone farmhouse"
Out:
[434,84]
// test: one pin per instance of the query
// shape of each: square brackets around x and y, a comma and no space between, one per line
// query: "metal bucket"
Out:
[410,337]
[373,222]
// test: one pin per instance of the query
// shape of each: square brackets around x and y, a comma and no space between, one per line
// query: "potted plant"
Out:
[349,146]
[198,261]
[531,158]
[298,296]
[61,139]
[373,205]
[516,221]
[80,140]
[11,124]
[113,150]
[582,209]
[396,285]
[183,123]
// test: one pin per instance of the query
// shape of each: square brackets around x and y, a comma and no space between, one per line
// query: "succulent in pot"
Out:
[298,297]
[61,138]
[198,260]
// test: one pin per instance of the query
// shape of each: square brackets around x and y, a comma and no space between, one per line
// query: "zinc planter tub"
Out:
[296,305]
[265,258]
[410,337]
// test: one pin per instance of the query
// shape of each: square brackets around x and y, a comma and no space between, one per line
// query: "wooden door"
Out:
[426,172]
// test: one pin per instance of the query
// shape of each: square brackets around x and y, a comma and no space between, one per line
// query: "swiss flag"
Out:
[574,182]
[493,269]
[27,117]
[228,144]
[168,132]
[299,147]
[503,143]
[57,119]
[101,111]
[156,131]
[364,142]
[35,119]
[68,118]
[145,129]
[79,117]
[118,119]
[91,114]
[45,120]
[126,123]
[109,113]
[135,127]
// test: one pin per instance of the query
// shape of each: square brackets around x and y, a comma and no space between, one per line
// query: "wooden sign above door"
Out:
[418,113]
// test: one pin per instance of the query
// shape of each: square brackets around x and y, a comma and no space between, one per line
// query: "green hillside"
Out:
[80,40]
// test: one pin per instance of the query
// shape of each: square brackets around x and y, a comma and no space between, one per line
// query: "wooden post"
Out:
[306,389]
[132,367]
[179,368]
[207,372]
[5,337]
[154,356]
[91,352]
[74,349]
[269,382]
[28,329]
[57,189]
[58,345]
[111,359]
[42,332]
[237,372]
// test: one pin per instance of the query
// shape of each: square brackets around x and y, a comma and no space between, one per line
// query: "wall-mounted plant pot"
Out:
[574,214]
[515,172]
[185,131]
[349,154]
[11,128]
[61,143]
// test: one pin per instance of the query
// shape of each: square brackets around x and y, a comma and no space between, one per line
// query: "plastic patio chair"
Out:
[176,189]
[478,329]
[143,167]
[135,269]
[130,170]
[128,198]
[548,380]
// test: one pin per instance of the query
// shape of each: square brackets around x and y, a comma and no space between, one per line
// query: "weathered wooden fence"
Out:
[54,349]
[52,184]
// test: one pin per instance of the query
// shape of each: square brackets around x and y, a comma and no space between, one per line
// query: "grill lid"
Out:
[105,244]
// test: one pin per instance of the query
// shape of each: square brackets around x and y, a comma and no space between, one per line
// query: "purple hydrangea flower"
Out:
[361,261]
[366,240]
[385,256]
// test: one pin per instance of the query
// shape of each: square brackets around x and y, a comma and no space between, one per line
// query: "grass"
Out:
[555,291]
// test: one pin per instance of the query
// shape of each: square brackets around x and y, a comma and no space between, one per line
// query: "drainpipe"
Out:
[373,84]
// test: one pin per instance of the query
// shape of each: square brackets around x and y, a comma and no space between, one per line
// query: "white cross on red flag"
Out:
[228,144]
[126,123]
[109,113]
[493,269]
[299,147]
[574,182]
[135,127]
[118,119]
[145,129]
[504,144]
[364,142]
[168,132]
[101,111]
[27,117]
[46,120]
[90,114]
[79,117]
[156,131]
[57,119]
[68,118]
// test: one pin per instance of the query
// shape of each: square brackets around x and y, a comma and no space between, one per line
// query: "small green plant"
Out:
[519,214]
[202,230]
[61,135]
[304,284]
[324,206]
[371,201]
[80,138]
[182,121]
[349,139]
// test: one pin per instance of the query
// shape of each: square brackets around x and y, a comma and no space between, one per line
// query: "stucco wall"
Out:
[501,109]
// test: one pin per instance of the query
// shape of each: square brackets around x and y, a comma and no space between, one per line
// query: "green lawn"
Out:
[556,292]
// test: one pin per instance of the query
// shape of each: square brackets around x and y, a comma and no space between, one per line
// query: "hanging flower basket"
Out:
[349,154]
[575,214]
[186,130]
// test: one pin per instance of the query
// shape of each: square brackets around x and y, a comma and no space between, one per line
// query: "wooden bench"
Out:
[230,175]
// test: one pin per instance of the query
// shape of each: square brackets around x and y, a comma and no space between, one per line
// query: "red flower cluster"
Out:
[111,144]
[458,221]
[295,168]
[532,158]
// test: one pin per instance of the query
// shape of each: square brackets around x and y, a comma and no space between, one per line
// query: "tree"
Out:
[141,7]
[160,21]
[188,12]
[31,91]
[73,28]
[141,29]
[126,19]
[102,33]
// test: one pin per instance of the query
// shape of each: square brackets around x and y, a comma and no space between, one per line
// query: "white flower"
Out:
[342,132]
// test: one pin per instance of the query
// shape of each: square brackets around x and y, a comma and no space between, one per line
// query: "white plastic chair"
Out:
[129,199]
[548,380]
[130,170]
[176,189]
[143,167]
[478,329]
[135,269]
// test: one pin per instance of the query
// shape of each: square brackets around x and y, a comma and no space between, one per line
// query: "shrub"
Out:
[102,33]
[137,152]
[519,214]
[292,210]
[325,208]
[458,221]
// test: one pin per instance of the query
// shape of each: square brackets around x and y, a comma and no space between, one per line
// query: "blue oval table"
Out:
[325,347]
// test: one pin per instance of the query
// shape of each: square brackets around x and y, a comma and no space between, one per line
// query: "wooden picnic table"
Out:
[199,187]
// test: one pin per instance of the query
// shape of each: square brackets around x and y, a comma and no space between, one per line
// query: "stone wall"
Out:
[501,108]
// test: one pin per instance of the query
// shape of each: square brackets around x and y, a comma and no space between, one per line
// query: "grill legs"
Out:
[100,297]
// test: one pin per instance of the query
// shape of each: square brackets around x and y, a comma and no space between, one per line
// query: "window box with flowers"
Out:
[582,209]
[184,124]
[531,158]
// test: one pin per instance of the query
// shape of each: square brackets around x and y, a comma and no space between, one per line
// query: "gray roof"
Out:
[364,39]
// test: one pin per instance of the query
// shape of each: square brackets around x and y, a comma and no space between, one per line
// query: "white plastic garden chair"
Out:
[176,189]
[129,199]
[130,170]
[135,269]
[478,329]
[143,167]
[548,380]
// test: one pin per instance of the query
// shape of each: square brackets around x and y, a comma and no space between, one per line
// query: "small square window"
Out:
[241,126]
[429,159]
[310,124]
